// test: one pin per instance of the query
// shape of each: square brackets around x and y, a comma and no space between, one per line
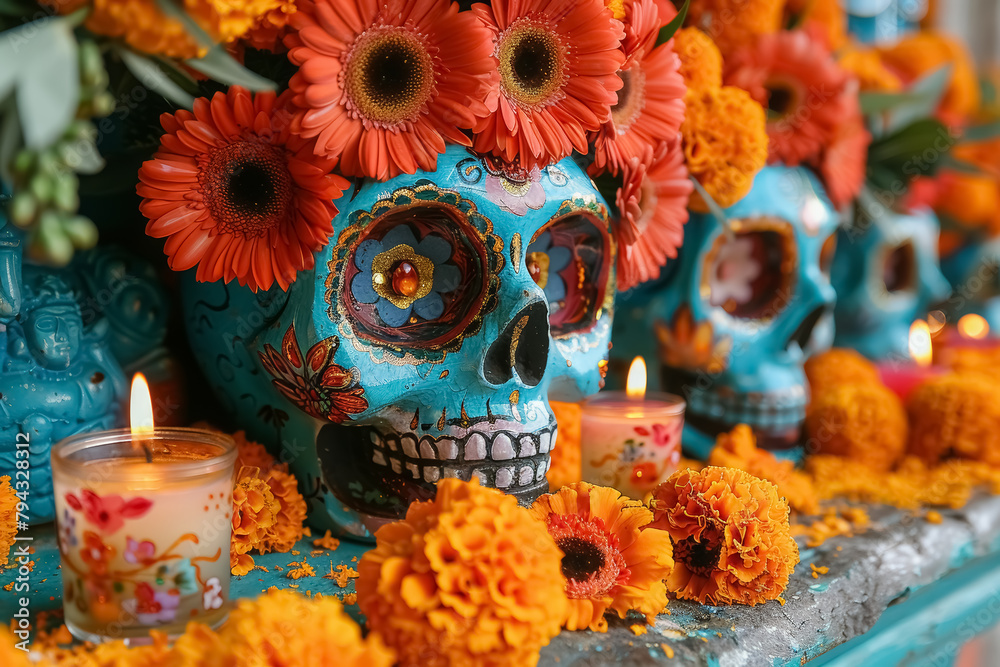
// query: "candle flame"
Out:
[920,343]
[635,385]
[140,407]
[973,326]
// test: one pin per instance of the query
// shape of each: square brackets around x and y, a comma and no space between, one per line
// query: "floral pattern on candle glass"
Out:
[315,384]
[146,583]
[637,465]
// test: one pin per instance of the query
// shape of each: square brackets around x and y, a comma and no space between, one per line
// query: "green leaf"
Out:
[17,8]
[668,31]
[222,67]
[879,102]
[202,38]
[39,62]
[928,92]
[10,139]
[982,132]
[150,75]
[918,149]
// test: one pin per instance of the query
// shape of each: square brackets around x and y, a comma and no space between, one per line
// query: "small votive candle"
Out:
[144,529]
[631,440]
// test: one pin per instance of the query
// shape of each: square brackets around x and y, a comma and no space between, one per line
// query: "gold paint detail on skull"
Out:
[542,260]
[515,252]
[385,262]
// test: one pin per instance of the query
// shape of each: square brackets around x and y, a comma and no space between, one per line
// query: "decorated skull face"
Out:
[883,21]
[730,321]
[886,274]
[425,343]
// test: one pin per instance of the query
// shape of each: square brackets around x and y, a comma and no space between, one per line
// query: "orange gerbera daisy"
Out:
[467,579]
[384,85]
[844,161]
[732,540]
[806,93]
[609,561]
[235,194]
[653,203]
[557,62]
[650,105]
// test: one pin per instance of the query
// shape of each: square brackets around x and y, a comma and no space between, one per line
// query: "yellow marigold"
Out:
[867,66]
[839,366]
[725,143]
[467,579]
[861,422]
[609,561]
[955,415]
[566,465]
[732,541]
[144,27]
[738,449]
[288,525]
[922,52]
[971,360]
[255,510]
[701,62]
[733,24]
[10,656]
[283,628]
[8,518]
[969,199]
[270,28]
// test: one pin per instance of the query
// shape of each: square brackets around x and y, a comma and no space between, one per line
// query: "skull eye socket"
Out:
[750,273]
[899,268]
[568,259]
[416,277]
[826,254]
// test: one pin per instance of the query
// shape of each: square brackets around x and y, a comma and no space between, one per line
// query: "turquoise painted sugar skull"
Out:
[974,271]
[886,275]
[883,21]
[731,319]
[425,343]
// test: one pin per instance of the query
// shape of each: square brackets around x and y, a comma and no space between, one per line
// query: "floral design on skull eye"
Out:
[315,384]
[403,277]
[735,270]
[545,260]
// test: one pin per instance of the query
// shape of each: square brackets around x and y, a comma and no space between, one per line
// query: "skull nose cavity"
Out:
[521,348]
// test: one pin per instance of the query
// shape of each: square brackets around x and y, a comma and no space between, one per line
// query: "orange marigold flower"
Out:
[146,28]
[566,464]
[235,194]
[650,105]
[861,422]
[839,366]
[701,61]
[9,655]
[240,564]
[733,24]
[255,510]
[288,524]
[285,628]
[822,19]
[250,454]
[866,65]
[923,52]
[725,143]
[557,62]
[8,517]
[969,199]
[270,28]
[467,579]
[385,85]
[653,204]
[738,449]
[732,542]
[609,561]
[806,93]
[955,415]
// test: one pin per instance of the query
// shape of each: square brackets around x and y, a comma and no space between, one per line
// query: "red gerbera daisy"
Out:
[383,84]
[235,194]
[653,205]
[844,161]
[650,106]
[557,61]
[806,93]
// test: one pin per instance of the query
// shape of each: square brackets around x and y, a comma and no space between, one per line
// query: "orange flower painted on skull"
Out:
[315,384]
[610,563]
[731,536]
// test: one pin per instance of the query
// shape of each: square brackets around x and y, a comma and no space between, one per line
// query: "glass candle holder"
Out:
[630,444]
[144,529]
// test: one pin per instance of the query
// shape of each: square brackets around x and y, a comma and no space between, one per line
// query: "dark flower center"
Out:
[582,560]
[702,558]
[390,75]
[531,62]
[247,187]
[780,100]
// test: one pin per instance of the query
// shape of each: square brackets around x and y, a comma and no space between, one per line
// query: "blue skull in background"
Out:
[886,274]
[730,321]
[974,271]
[883,21]
[442,314]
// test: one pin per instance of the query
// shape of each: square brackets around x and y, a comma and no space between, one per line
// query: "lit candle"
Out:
[631,440]
[144,521]
[902,377]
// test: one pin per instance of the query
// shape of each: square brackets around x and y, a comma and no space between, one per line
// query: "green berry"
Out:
[81,231]
[23,209]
